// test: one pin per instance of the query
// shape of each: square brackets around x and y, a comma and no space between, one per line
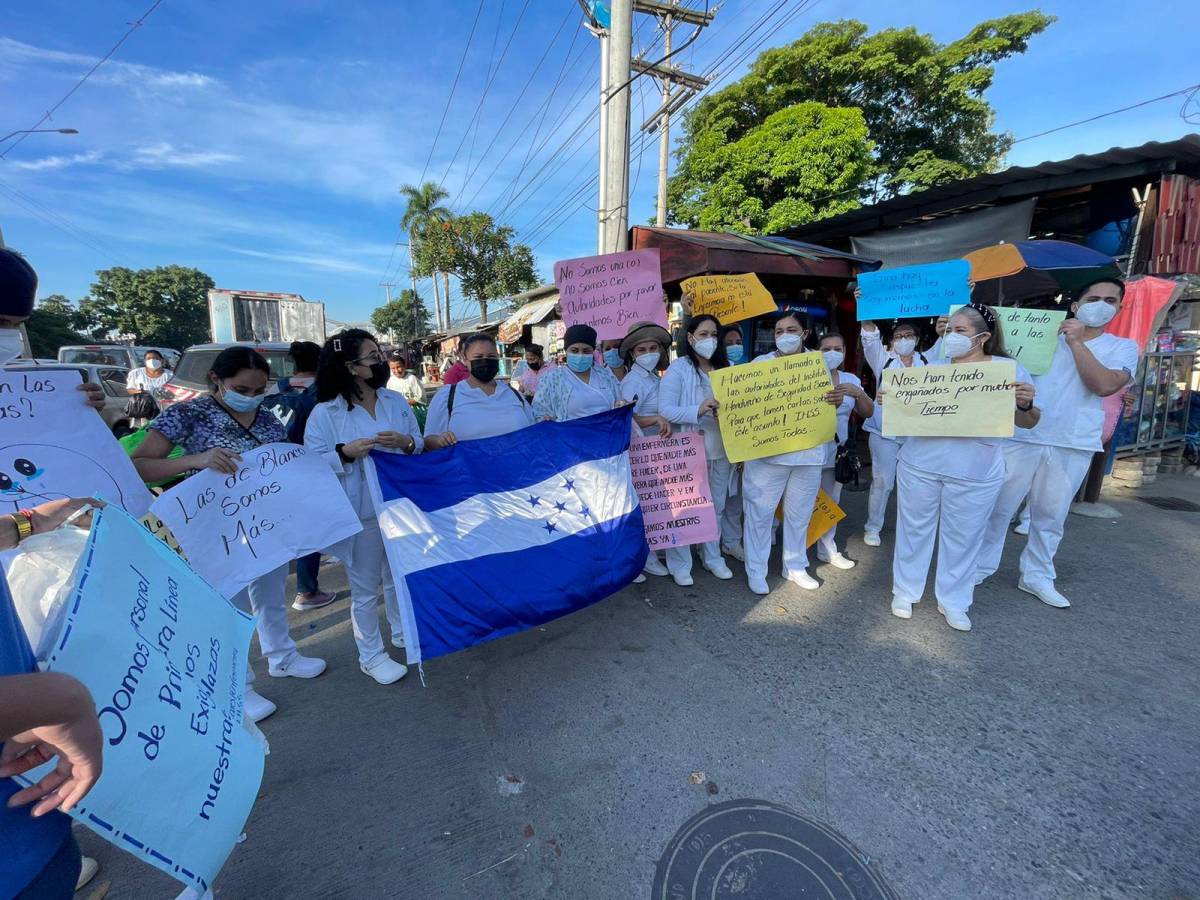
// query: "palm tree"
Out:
[421,211]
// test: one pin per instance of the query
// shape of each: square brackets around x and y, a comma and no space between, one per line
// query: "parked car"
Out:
[114,355]
[191,374]
[110,378]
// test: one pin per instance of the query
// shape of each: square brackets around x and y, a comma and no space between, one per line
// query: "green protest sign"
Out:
[1030,335]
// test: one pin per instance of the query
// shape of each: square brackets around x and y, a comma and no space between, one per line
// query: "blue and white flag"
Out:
[493,536]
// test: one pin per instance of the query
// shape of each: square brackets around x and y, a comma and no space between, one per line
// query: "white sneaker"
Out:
[297,666]
[1022,527]
[654,566]
[1046,593]
[956,620]
[737,551]
[385,670]
[256,706]
[758,585]
[837,560]
[902,609]
[398,640]
[683,579]
[803,579]
[640,578]
[871,538]
[719,570]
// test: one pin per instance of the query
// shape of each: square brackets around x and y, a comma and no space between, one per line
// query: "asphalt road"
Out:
[1047,754]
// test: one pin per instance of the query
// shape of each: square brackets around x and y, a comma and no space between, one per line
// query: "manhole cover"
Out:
[754,850]
[1173,503]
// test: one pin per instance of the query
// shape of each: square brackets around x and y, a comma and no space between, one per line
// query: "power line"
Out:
[1186,90]
[453,88]
[55,220]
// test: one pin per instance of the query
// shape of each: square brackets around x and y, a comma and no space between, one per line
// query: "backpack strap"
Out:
[924,361]
[450,401]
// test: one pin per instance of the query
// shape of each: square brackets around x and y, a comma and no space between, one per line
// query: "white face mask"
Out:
[706,347]
[154,364]
[956,345]
[648,361]
[10,344]
[833,358]
[904,346]
[1095,313]
[788,343]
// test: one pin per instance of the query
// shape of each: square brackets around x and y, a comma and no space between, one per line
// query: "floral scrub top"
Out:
[201,424]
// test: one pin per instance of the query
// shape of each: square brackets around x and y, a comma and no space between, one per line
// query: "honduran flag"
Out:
[496,535]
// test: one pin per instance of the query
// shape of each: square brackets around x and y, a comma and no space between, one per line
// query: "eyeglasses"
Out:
[370,359]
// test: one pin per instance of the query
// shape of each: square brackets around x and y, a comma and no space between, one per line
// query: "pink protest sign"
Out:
[612,291]
[670,476]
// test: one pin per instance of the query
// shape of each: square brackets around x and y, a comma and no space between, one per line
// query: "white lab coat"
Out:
[826,543]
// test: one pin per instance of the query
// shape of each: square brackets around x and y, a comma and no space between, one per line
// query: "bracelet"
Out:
[342,454]
[23,520]
[1024,408]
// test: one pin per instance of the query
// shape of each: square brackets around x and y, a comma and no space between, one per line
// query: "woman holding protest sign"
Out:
[947,486]
[686,400]
[354,415]
[731,521]
[213,431]
[793,477]
[577,389]
[478,407]
[846,397]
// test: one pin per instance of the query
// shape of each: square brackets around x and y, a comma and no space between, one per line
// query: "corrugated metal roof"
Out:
[716,240]
[1011,183]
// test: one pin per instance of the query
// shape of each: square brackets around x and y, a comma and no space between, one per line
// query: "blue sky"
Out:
[264,142]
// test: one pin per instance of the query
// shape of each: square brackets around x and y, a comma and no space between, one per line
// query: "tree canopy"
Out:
[406,316]
[922,104]
[52,325]
[166,306]
[481,254]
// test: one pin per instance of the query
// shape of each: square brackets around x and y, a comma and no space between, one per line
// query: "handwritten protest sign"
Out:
[164,658]
[959,400]
[670,476]
[913,291]
[730,298]
[1030,335]
[612,291]
[825,515]
[282,504]
[774,406]
[53,445]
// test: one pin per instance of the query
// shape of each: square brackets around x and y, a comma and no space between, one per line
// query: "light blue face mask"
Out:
[612,359]
[735,352]
[240,402]
[579,362]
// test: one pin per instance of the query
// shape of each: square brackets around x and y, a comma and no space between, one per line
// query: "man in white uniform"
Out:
[1049,463]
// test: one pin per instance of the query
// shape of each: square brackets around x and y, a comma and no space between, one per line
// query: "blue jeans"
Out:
[307,568]
[57,880]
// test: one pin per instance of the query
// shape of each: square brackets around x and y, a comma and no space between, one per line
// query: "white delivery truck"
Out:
[264,316]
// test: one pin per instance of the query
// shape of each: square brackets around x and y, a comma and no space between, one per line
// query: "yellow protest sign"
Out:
[730,298]
[956,400]
[825,515]
[158,528]
[774,406]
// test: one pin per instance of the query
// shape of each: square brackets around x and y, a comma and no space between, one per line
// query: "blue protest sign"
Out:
[164,657]
[913,292]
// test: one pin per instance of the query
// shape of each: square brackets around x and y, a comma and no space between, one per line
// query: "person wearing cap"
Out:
[536,365]
[579,388]
[403,381]
[686,400]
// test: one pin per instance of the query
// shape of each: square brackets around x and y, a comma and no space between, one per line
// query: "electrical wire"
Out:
[58,221]
[1190,90]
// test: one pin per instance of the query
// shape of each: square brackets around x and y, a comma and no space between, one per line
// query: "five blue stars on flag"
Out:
[559,506]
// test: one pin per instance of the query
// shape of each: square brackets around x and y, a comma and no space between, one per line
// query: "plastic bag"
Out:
[40,579]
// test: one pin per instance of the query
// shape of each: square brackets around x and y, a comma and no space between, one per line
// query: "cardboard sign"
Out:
[774,406]
[956,400]
[730,298]
[612,291]
[164,657]
[670,476]
[53,446]
[282,504]
[825,515]
[914,291]
[1030,335]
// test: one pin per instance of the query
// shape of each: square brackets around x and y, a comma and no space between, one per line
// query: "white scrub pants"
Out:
[958,513]
[883,479]
[763,485]
[826,545]
[1051,477]
[679,559]
[369,571]
[731,521]
[265,597]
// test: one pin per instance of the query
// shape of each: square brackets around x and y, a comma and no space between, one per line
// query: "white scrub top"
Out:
[847,405]
[140,379]
[820,455]
[587,399]
[880,359]
[476,414]
[1072,416]
[641,388]
[960,458]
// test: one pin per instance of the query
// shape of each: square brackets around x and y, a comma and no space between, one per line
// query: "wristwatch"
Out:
[24,524]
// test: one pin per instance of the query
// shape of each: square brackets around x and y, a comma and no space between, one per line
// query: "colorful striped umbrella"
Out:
[1023,269]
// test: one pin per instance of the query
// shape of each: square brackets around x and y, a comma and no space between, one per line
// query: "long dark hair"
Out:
[306,355]
[719,359]
[984,319]
[232,360]
[333,378]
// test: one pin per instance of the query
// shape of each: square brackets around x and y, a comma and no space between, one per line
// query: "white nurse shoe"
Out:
[956,620]
[803,579]
[384,669]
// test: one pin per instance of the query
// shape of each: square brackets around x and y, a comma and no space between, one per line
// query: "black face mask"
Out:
[485,369]
[535,366]
[379,375]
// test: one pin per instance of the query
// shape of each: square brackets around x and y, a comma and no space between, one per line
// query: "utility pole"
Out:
[614,209]
[664,130]
[387,287]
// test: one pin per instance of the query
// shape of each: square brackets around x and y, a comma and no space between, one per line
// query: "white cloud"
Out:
[319,263]
[164,155]
[50,163]
[15,54]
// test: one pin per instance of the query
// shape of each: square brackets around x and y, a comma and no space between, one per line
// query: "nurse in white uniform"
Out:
[354,415]
[644,356]
[1049,463]
[686,400]
[580,388]
[731,521]
[847,396]
[947,486]
[479,406]
[884,450]
[795,477]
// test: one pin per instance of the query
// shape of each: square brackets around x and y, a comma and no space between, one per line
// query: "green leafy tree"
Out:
[423,212]
[167,306]
[406,317]
[923,104]
[482,255]
[52,325]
